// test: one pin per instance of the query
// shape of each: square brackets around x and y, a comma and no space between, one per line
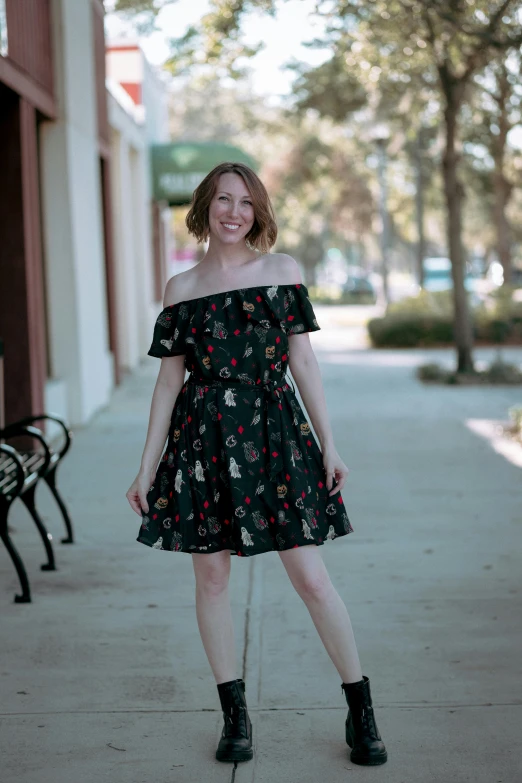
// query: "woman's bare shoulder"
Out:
[276,269]
[284,269]
[180,287]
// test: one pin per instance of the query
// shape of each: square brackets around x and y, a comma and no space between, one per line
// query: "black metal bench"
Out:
[57,452]
[20,472]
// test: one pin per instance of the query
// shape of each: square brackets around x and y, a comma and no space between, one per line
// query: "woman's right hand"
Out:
[137,494]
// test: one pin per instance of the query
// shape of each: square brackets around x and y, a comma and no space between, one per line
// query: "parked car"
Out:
[437,277]
[359,289]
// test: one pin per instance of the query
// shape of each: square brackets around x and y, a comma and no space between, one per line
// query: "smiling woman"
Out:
[249,213]
[242,473]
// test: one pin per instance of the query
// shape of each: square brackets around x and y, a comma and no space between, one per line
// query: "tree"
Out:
[495,109]
[461,37]
[143,13]
[455,38]
[359,77]
[458,38]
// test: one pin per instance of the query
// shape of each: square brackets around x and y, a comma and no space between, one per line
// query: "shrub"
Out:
[427,320]
[431,372]
[515,414]
[408,331]
[502,372]
[499,372]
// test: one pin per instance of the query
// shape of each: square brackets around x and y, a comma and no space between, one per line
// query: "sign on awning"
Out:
[178,168]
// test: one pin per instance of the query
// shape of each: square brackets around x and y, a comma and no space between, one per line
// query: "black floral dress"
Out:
[241,470]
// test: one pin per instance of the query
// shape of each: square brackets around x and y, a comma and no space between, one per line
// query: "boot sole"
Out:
[369,761]
[366,761]
[245,755]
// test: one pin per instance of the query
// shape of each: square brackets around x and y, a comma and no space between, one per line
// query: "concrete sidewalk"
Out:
[104,678]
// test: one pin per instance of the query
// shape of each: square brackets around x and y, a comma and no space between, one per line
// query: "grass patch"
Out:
[514,428]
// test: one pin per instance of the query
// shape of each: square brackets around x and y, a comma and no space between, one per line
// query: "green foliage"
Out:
[427,319]
[439,303]
[503,372]
[331,89]
[410,331]
[317,178]
[138,6]
[515,414]
[390,60]
[502,303]
[217,41]
[142,12]
[431,372]
[417,330]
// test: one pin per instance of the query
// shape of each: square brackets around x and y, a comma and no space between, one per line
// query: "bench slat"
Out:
[9,471]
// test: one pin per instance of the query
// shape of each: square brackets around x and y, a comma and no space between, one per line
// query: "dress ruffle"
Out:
[174,330]
[184,323]
[299,314]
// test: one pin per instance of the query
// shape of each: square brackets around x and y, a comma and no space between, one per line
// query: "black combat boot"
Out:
[362,734]
[236,740]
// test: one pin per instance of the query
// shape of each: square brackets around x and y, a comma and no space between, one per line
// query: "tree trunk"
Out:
[454,193]
[502,191]
[502,187]
[385,218]
[419,207]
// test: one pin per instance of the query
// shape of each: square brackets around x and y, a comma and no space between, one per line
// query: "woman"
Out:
[241,472]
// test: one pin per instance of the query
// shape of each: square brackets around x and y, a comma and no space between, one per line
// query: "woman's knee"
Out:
[212,573]
[314,586]
[308,573]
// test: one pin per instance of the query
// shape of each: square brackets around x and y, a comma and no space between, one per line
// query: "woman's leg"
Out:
[308,574]
[214,614]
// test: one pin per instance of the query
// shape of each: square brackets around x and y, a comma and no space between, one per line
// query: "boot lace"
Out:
[235,722]
[368,724]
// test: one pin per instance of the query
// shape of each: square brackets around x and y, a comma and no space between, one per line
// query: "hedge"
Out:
[416,330]
[427,320]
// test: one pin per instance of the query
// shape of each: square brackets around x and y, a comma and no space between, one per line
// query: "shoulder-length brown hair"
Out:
[262,235]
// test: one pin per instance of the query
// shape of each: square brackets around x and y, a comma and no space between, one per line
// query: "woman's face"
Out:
[231,211]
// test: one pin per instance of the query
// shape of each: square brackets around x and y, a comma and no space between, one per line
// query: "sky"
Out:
[283,37]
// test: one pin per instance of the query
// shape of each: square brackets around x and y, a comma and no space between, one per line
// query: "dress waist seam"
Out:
[230,382]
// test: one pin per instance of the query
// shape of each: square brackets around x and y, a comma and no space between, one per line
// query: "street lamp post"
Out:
[381,141]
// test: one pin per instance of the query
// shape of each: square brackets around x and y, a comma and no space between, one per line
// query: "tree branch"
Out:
[480,52]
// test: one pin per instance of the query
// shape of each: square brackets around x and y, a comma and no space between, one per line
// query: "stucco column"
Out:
[80,360]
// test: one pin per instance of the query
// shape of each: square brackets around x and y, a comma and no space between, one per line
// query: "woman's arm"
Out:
[307,375]
[305,370]
[170,379]
[168,385]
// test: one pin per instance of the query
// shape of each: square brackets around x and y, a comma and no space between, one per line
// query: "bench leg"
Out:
[17,561]
[28,499]
[50,480]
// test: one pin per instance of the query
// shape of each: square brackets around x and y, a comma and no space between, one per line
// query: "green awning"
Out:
[178,168]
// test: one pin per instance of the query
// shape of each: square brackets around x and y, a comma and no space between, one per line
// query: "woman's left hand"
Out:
[335,469]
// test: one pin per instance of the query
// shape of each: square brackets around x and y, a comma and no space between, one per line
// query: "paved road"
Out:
[103,677]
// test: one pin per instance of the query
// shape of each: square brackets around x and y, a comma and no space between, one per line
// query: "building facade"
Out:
[76,219]
[138,118]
